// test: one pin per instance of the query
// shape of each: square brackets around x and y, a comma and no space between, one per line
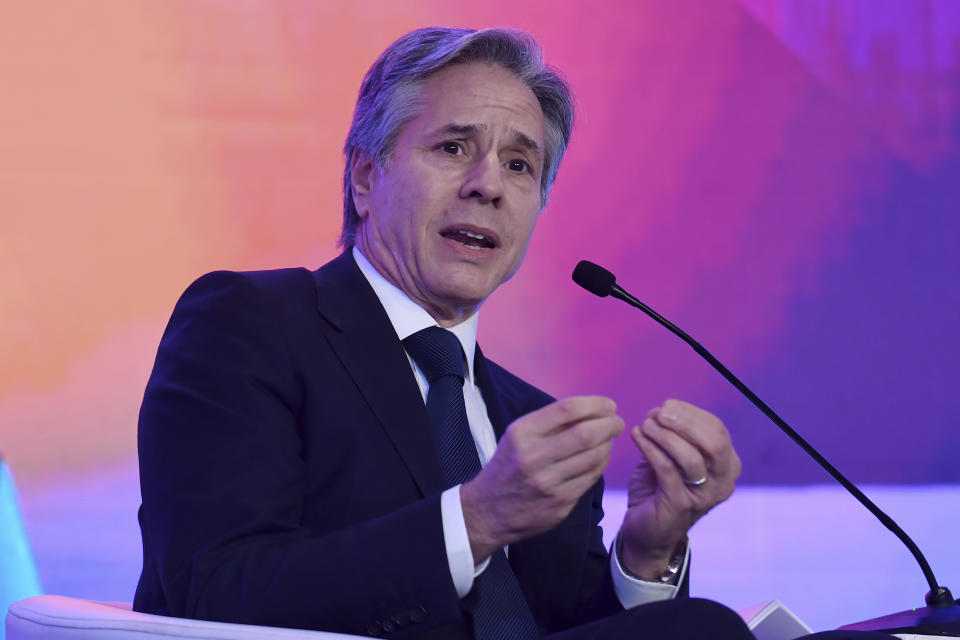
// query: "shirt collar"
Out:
[407,317]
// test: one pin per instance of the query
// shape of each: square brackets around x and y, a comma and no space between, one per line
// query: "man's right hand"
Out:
[544,463]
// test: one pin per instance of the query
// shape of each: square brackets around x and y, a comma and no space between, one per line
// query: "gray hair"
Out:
[389,96]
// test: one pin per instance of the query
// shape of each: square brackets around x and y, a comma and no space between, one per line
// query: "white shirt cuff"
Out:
[457,542]
[633,592]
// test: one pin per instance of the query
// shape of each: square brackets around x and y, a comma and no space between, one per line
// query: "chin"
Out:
[462,297]
[466,285]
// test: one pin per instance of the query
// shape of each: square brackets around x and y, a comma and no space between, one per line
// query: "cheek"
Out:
[394,220]
[410,203]
[530,224]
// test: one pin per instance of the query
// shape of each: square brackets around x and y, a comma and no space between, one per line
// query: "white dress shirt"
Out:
[407,318]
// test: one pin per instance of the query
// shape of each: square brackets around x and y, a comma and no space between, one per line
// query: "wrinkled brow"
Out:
[526,141]
[470,130]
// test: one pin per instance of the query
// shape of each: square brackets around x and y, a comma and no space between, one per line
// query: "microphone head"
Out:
[594,278]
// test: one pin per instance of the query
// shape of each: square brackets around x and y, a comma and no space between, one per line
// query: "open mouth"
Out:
[470,239]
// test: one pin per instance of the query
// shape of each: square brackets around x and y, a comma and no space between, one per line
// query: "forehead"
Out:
[483,94]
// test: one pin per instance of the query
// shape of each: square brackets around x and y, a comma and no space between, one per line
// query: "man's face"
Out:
[451,216]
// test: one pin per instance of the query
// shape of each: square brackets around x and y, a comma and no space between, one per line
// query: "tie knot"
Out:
[437,352]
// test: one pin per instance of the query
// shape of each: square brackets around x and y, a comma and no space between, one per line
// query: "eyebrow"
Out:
[468,130]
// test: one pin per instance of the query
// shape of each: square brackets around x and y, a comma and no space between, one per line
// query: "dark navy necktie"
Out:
[501,611]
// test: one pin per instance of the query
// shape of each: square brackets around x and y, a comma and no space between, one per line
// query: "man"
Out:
[305,463]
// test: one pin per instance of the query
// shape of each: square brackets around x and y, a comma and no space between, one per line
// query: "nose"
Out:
[484,181]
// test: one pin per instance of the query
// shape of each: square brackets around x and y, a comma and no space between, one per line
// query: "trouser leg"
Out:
[679,619]
[849,635]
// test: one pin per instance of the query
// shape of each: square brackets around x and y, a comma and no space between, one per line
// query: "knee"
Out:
[721,622]
[679,619]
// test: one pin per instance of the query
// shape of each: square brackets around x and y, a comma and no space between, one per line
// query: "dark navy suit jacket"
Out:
[289,477]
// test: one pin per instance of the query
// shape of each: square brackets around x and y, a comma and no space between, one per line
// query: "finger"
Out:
[684,455]
[590,462]
[581,436]
[668,475]
[700,428]
[576,485]
[558,414]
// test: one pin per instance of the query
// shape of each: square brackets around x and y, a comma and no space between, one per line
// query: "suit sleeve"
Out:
[223,486]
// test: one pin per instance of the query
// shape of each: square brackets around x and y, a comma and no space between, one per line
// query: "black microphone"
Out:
[594,278]
[601,282]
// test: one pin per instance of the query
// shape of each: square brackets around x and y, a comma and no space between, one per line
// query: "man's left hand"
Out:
[688,467]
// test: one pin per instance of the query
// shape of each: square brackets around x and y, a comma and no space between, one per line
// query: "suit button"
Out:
[418,614]
[402,618]
[375,629]
[389,626]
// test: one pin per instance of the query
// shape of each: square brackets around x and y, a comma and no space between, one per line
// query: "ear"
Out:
[362,174]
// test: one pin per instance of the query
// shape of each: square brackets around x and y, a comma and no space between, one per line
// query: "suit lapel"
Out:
[367,346]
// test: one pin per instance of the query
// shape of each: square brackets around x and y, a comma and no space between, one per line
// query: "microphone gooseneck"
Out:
[601,282]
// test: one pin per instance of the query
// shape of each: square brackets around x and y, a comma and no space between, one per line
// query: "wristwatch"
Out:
[670,576]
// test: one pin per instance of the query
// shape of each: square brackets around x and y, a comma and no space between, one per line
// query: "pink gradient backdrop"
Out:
[777,176]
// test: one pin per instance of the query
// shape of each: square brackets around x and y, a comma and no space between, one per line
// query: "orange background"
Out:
[738,164]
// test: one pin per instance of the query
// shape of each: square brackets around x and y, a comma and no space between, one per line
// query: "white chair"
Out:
[61,618]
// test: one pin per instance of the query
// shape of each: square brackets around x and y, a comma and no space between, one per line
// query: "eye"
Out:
[453,148]
[520,166]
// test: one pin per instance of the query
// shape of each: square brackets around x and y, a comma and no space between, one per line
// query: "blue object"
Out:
[18,571]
